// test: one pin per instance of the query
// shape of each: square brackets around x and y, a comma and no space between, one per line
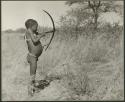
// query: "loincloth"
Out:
[31,57]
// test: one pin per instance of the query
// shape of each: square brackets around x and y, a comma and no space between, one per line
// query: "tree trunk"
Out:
[95,20]
[95,6]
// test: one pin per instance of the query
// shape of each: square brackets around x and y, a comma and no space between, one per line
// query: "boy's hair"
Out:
[30,22]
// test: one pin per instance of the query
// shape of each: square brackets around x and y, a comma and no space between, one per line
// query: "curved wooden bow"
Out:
[53,29]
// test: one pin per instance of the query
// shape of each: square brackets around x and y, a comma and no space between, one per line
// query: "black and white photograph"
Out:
[69,50]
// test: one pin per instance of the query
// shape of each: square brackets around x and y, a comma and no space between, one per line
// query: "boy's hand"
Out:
[46,45]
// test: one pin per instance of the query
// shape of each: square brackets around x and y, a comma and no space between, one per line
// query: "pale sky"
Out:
[15,13]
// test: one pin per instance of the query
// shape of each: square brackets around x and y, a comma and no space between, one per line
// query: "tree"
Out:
[95,7]
[79,16]
[9,31]
[20,30]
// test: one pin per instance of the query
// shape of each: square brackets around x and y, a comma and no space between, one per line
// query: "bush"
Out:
[75,79]
[20,30]
[101,46]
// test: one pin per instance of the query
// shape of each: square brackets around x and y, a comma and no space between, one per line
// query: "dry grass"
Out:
[88,69]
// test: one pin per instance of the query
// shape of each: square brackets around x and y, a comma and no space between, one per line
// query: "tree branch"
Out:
[89,4]
[99,4]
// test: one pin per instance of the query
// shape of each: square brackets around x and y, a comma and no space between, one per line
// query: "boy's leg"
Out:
[33,66]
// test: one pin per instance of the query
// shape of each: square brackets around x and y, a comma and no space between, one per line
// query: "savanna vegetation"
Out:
[85,55]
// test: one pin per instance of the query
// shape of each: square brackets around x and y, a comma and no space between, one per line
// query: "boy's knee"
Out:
[31,59]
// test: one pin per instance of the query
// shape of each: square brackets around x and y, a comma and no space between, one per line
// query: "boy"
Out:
[35,48]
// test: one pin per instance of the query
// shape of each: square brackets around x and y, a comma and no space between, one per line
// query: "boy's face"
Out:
[34,27]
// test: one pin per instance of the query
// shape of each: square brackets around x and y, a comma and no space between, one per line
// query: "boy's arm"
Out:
[35,39]
[40,35]
[44,33]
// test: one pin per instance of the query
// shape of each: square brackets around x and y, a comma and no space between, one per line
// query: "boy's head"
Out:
[31,24]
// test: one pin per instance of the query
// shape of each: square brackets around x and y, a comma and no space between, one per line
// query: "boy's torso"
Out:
[36,48]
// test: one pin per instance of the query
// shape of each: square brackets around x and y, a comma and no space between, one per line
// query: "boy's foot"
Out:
[31,90]
[36,90]
[37,86]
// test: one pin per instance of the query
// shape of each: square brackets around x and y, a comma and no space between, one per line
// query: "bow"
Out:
[53,29]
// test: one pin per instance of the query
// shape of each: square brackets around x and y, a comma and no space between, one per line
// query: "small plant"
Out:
[77,82]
